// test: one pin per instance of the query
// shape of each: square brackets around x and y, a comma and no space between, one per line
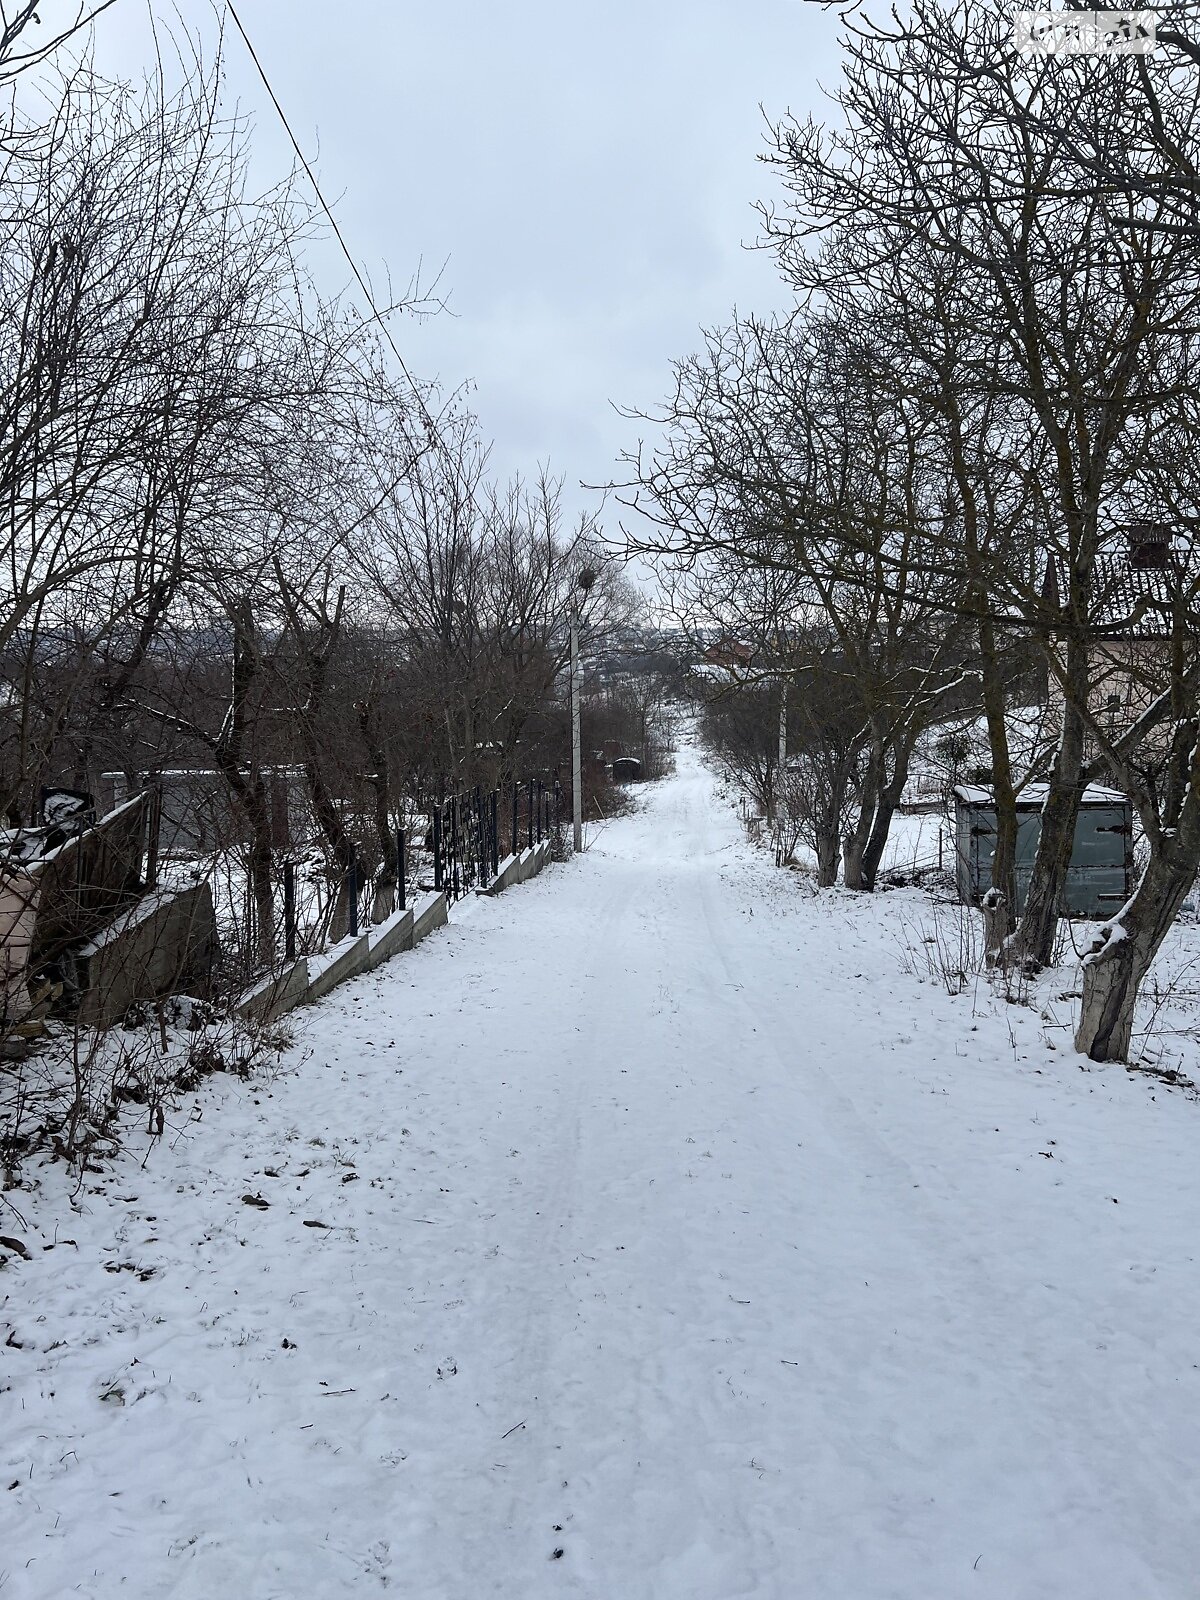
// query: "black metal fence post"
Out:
[470,853]
[462,848]
[530,821]
[483,835]
[153,832]
[437,848]
[495,832]
[400,904]
[454,845]
[483,849]
[352,887]
[513,847]
[289,910]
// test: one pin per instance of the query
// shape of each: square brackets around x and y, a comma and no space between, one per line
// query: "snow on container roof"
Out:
[1034,795]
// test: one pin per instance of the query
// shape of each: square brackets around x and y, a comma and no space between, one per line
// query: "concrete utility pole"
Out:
[576,748]
[586,579]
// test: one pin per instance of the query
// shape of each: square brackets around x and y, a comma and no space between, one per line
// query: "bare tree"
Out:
[780,461]
[24,44]
[955,147]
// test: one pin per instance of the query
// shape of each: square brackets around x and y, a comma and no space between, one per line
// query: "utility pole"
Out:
[586,579]
[576,748]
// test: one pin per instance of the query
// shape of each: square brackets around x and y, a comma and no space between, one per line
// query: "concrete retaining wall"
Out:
[508,873]
[163,945]
[277,994]
[389,938]
[346,959]
[314,977]
[532,861]
[430,913]
[519,868]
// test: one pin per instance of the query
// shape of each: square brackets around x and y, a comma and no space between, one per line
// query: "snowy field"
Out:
[650,1234]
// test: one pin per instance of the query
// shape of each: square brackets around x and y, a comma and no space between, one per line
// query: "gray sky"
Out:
[584,172]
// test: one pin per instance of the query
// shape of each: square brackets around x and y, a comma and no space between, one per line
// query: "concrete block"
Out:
[346,959]
[431,912]
[164,944]
[276,994]
[507,874]
[89,880]
[390,937]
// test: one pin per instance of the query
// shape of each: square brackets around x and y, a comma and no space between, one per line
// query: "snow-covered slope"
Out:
[647,1235]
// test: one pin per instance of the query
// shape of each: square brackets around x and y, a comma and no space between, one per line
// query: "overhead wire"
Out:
[432,430]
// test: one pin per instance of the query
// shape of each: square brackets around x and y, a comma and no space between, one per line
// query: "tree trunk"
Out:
[995,925]
[827,857]
[1121,954]
[854,846]
[852,868]
[384,902]
[1004,858]
[261,886]
[250,797]
[885,810]
[249,790]
[1033,942]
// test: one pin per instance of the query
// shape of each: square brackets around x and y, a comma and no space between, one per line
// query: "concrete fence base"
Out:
[313,977]
[277,994]
[508,873]
[431,912]
[389,938]
[346,959]
[519,868]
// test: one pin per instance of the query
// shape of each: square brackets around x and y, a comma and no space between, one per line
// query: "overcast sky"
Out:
[585,174]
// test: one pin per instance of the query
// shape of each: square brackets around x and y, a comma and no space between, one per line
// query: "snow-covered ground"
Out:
[649,1234]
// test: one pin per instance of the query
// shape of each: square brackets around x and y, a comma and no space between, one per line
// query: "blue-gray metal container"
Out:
[1100,877]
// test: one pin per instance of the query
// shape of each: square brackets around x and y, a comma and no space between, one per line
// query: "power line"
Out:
[427,417]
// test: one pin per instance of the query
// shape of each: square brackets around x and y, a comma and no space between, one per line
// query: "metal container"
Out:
[1100,877]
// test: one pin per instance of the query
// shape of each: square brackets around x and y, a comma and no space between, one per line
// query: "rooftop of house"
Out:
[1138,578]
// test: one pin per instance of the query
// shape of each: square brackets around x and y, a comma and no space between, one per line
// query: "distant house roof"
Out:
[1134,585]
[729,652]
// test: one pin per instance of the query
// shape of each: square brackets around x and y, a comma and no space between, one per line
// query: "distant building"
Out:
[729,652]
[1138,618]
[200,817]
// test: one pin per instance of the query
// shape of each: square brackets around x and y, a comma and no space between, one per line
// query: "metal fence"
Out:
[468,835]
[473,830]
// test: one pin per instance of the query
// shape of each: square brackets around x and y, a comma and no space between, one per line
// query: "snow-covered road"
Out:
[674,1245]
